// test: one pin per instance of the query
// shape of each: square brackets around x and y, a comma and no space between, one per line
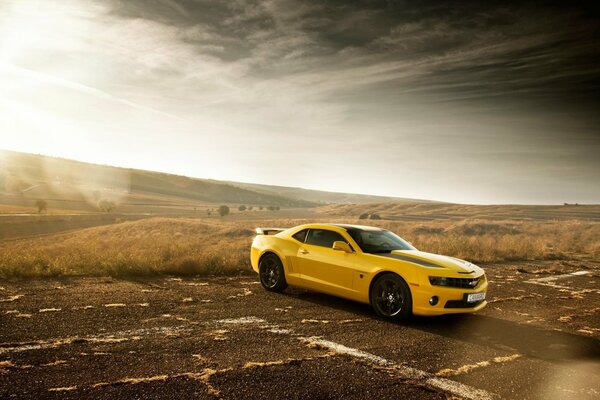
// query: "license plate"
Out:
[474,297]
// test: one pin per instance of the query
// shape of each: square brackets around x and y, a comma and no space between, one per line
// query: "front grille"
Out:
[462,283]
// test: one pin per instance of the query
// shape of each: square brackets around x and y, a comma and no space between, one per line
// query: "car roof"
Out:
[358,227]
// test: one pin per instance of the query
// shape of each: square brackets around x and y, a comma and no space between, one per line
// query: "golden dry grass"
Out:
[486,241]
[186,246]
[435,211]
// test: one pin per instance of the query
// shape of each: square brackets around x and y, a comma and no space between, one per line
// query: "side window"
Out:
[300,236]
[323,237]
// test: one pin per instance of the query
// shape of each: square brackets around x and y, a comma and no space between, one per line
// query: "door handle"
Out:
[302,251]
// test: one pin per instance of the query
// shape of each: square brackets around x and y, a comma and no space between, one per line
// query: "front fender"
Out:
[372,266]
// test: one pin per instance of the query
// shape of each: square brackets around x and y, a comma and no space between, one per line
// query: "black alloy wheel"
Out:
[390,297]
[272,276]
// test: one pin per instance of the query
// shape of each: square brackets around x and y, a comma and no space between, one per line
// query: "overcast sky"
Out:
[472,102]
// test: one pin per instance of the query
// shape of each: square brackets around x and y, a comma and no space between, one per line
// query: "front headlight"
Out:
[463,283]
[439,281]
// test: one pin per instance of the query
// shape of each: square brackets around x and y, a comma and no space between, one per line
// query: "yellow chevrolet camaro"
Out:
[370,265]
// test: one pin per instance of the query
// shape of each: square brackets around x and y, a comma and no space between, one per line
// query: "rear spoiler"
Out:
[269,231]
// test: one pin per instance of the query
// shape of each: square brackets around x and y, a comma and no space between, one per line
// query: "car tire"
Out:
[271,273]
[390,297]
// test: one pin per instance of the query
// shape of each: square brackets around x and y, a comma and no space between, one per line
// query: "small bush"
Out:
[374,216]
[242,208]
[364,216]
[223,210]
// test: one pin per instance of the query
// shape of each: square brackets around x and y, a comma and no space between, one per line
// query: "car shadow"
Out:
[483,330]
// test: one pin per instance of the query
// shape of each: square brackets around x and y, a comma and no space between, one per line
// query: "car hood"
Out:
[431,260]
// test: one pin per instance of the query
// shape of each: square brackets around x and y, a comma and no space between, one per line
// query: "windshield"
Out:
[378,241]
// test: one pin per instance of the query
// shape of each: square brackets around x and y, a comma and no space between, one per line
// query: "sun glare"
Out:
[30,27]
[31,34]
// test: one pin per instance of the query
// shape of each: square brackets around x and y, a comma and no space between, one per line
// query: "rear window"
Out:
[323,237]
[300,236]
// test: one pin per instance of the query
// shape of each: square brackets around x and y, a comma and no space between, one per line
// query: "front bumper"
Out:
[450,300]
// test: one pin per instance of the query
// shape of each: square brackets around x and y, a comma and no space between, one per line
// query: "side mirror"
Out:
[342,246]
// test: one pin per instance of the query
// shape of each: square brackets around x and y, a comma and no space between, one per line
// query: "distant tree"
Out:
[223,210]
[250,208]
[208,211]
[242,208]
[106,205]
[271,208]
[276,208]
[375,216]
[260,208]
[364,216]
[41,205]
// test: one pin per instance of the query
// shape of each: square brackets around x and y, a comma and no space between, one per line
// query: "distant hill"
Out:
[324,197]
[69,185]
[76,185]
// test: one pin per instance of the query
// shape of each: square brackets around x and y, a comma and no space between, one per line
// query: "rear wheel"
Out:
[390,297]
[271,273]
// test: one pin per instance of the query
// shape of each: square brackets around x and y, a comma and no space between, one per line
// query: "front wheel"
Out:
[390,297]
[271,273]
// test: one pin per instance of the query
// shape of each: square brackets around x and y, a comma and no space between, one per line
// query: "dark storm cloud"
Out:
[472,51]
[468,49]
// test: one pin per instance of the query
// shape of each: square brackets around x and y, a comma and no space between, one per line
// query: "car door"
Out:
[325,269]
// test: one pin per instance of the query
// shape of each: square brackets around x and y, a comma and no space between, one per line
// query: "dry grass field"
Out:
[422,211]
[209,246]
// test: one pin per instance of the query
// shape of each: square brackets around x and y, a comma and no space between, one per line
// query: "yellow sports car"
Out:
[369,265]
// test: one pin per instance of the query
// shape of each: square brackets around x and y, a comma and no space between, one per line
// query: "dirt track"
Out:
[227,337]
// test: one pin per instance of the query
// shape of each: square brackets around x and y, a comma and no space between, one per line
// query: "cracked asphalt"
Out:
[218,337]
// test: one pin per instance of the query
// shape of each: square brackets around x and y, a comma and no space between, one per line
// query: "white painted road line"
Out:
[563,276]
[428,379]
[447,385]
[341,349]
[240,321]
[550,281]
